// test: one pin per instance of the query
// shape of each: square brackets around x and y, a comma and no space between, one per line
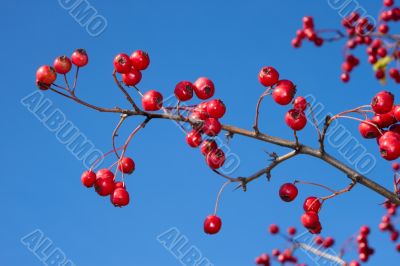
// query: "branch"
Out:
[296,147]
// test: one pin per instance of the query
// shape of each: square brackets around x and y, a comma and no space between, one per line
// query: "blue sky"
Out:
[172,187]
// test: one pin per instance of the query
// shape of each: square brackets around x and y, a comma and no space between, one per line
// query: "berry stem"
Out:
[346,189]
[128,97]
[219,196]
[313,184]
[265,93]
[115,132]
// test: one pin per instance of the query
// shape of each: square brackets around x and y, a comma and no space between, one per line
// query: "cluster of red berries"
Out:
[130,67]
[307,32]
[324,242]
[105,184]
[285,256]
[47,75]
[283,92]
[387,225]
[312,205]
[364,250]
[383,126]
[360,31]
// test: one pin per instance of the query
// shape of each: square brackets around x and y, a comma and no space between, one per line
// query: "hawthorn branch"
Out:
[297,148]
[128,97]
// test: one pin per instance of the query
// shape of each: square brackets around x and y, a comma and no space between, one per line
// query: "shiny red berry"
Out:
[212,224]
[184,91]
[388,3]
[300,103]
[140,60]
[62,64]
[120,197]
[122,63]
[152,101]
[207,146]
[291,231]
[211,127]
[268,76]
[46,75]
[310,220]
[284,92]
[80,58]
[215,159]
[295,119]
[204,88]
[126,165]
[193,138]
[328,242]
[312,204]
[273,229]
[382,102]
[105,173]
[216,108]
[288,192]
[368,130]
[88,178]
[104,186]
[132,78]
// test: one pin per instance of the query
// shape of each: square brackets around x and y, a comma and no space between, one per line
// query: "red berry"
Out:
[396,112]
[295,119]
[296,42]
[119,185]
[312,204]
[318,240]
[284,92]
[354,263]
[207,146]
[310,220]
[368,130]
[308,22]
[317,229]
[263,259]
[193,138]
[132,78]
[122,64]
[212,224]
[80,58]
[328,242]
[394,73]
[288,192]
[273,229]
[383,28]
[388,3]
[126,165]
[104,186]
[105,173]
[384,120]
[140,60]
[300,103]
[380,74]
[291,231]
[88,178]
[396,166]
[204,88]
[215,159]
[216,108]
[184,91]
[345,77]
[389,145]
[120,197]
[382,52]
[268,76]
[46,75]
[365,230]
[62,64]
[382,102]
[152,101]
[211,127]
[318,42]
